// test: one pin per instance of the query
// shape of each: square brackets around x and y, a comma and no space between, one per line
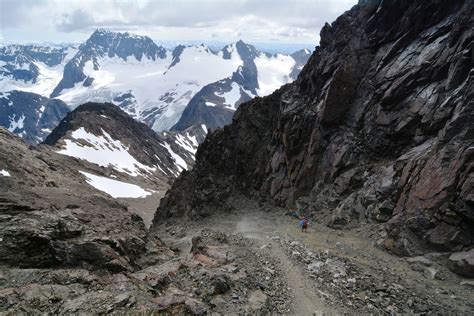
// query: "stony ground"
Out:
[331,271]
[252,260]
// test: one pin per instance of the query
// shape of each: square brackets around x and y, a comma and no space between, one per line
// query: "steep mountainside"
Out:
[30,115]
[33,68]
[129,160]
[377,127]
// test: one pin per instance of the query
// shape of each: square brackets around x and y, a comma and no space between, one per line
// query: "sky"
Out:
[255,21]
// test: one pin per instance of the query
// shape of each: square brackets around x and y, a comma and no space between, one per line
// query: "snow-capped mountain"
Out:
[30,68]
[30,115]
[180,89]
[155,85]
[259,75]
[106,47]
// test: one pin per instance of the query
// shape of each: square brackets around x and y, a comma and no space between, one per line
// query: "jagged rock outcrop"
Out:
[51,218]
[377,127]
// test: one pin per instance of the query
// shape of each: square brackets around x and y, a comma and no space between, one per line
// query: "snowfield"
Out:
[103,151]
[48,79]
[115,188]
[154,84]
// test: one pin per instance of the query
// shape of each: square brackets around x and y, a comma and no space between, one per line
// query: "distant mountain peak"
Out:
[104,42]
[108,33]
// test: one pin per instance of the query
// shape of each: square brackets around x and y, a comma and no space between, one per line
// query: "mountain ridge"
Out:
[30,115]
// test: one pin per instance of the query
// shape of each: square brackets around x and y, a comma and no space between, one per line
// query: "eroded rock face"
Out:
[377,127]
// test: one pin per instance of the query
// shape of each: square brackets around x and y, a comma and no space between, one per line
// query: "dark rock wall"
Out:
[378,127]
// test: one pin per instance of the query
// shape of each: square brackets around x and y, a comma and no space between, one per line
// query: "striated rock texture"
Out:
[378,127]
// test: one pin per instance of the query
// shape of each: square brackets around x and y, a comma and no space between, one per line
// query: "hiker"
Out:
[304,223]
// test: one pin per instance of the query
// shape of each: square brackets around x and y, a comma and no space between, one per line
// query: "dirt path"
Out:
[305,299]
[373,280]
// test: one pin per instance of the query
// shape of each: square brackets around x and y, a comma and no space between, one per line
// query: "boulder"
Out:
[221,284]
[462,263]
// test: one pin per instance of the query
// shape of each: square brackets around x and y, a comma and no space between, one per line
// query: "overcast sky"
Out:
[281,21]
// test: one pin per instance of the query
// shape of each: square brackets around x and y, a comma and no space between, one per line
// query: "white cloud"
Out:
[296,21]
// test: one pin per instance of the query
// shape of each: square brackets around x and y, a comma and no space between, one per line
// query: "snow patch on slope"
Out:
[115,188]
[231,97]
[188,143]
[179,161]
[103,151]
[4,173]
[16,124]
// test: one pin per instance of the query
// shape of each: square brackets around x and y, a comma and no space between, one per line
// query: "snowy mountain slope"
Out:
[260,74]
[106,44]
[179,89]
[30,68]
[155,86]
[124,158]
[30,115]
[104,135]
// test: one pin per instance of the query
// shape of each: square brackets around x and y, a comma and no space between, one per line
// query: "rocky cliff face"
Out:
[377,127]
